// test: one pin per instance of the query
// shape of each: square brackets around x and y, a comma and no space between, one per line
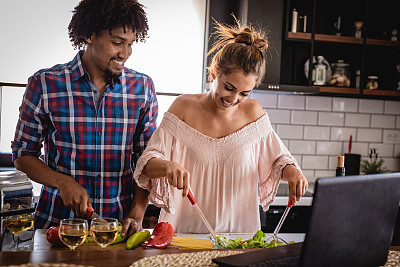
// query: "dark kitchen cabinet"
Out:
[373,53]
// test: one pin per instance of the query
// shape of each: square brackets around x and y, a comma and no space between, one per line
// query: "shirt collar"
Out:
[78,70]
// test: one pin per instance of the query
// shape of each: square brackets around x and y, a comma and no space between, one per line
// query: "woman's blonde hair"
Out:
[238,48]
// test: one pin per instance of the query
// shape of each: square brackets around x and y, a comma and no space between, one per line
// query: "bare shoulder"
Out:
[182,104]
[253,109]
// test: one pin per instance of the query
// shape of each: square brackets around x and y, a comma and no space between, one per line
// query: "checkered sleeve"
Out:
[28,137]
[147,123]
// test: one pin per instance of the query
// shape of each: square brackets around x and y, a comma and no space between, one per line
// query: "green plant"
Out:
[373,166]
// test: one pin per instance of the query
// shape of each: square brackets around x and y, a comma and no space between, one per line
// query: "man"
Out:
[94,116]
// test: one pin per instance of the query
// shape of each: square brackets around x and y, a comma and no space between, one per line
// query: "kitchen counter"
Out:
[91,254]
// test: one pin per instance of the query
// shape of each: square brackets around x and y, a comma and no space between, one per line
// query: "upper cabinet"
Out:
[346,48]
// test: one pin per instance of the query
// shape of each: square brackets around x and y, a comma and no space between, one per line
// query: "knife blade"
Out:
[93,215]
[285,213]
[194,203]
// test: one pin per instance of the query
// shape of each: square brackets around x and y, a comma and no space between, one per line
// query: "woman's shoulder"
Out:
[184,103]
[252,109]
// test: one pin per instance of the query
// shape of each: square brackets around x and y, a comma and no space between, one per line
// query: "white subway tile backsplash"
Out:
[343,134]
[391,136]
[315,162]
[331,119]
[371,106]
[318,103]
[279,116]
[397,151]
[383,150]
[383,121]
[329,148]
[291,101]
[290,131]
[324,174]
[356,148]
[357,120]
[345,104]
[302,147]
[316,133]
[266,100]
[369,135]
[316,129]
[391,163]
[392,107]
[304,117]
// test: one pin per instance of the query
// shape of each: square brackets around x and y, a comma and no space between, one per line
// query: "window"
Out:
[35,37]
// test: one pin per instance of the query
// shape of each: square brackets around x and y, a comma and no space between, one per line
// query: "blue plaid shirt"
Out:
[98,147]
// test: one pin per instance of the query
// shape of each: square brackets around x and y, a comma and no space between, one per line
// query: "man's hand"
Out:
[297,182]
[75,197]
[132,225]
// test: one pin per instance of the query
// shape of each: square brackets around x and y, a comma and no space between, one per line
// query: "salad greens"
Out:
[259,240]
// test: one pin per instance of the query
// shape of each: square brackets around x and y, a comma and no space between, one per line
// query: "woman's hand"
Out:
[297,182]
[178,176]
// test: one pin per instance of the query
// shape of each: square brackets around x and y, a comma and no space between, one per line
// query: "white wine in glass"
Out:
[73,232]
[104,232]
[18,224]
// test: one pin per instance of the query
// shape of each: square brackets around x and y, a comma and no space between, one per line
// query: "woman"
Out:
[221,145]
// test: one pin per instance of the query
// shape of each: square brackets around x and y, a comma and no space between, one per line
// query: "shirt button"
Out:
[99,133]
[99,176]
[99,155]
[98,196]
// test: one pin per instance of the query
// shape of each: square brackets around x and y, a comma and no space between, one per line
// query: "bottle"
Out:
[340,171]
[358,79]
[295,15]
[320,72]
[358,29]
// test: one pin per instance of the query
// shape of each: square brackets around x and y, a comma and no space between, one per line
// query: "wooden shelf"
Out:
[338,39]
[338,90]
[382,42]
[341,39]
[299,35]
[381,92]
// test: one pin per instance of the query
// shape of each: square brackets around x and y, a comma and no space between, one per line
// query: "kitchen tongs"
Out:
[285,213]
[194,203]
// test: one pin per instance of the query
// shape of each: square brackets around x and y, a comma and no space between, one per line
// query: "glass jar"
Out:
[372,82]
[340,74]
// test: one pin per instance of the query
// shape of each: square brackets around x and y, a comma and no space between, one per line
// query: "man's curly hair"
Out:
[93,16]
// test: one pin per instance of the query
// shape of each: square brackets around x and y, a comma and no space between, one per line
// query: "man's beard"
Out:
[112,75]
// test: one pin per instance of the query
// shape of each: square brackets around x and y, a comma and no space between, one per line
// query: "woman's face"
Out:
[229,90]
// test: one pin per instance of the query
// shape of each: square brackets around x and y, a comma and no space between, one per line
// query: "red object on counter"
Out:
[350,143]
[161,237]
[53,237]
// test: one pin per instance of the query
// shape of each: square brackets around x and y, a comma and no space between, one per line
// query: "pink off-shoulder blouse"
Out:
[229,176]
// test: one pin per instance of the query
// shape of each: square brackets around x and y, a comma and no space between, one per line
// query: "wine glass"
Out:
[104,231]
[18,224]
[73,232]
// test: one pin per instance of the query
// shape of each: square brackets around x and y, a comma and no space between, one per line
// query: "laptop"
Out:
[352,223]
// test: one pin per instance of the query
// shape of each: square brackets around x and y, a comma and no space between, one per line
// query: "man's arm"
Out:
[138,209]
[74,196]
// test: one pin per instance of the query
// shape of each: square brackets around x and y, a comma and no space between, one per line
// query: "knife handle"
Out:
[191,197]
[290,204]
[89,211]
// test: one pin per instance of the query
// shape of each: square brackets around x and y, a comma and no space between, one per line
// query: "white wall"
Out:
[35,36]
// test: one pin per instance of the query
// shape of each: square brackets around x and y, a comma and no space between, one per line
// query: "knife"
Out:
[285,213]
[93,215]
[194,203]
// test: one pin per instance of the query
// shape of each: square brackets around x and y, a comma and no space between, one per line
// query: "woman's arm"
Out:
[297,182]
[177,176]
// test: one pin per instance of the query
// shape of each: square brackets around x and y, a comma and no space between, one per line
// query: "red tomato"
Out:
[52,236]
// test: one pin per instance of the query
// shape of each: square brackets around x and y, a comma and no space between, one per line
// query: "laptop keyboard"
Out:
[284,262]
